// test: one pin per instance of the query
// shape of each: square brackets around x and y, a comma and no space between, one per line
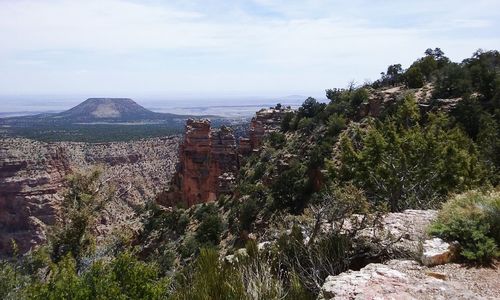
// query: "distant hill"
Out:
[111,110]
[95,120]
[99,110]
[107,108]
[98,120]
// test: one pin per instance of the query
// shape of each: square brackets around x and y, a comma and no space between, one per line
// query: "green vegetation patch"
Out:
[472,219]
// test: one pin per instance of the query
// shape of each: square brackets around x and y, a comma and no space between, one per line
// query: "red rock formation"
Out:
[265,121]
[194,162]
[245,147]
[30,193]
[224,161]
[209,159]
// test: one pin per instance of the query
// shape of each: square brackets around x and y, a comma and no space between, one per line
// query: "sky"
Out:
[216,48]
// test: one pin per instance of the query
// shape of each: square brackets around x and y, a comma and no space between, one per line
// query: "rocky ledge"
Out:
[407,279]
[425,269]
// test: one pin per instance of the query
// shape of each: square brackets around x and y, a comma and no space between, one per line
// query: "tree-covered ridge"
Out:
[326,162]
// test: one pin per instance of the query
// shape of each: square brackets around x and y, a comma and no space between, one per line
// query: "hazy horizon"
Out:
[270,48]
[227,106]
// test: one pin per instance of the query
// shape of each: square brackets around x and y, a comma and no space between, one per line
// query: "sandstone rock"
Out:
[397,279]
[265,121]
[207,162]
[209,158]
[31,180]
[373,281]
[407,229]
[437,252]
[244,146]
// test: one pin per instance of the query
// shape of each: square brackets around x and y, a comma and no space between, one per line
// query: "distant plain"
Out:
[237,107]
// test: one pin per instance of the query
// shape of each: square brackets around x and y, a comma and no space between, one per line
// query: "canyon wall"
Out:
[32,175]
[32,183]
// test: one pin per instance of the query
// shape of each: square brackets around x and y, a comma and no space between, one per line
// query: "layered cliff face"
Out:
[210,158]
[380,100]
[31,184]
[265,121]
[195,163]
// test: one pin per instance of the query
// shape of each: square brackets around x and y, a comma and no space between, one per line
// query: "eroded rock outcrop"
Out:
[264,122]
[210,158]
[406,279]
[381,99]
[434,277]
[31,180]
[205,156]
[397,279]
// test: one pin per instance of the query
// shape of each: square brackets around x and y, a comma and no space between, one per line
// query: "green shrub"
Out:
[336,123]
[277,140]
[204,210]
[452,81]
[286,122]
[414,78]
[359,96]
[305,124]
[189,246]
[289,188]
[248,213]
[8,279]
[472,219]
[407,163]
[209,230]
[84,201]
[308,264]
[310,108]
[210,280]
[124,277]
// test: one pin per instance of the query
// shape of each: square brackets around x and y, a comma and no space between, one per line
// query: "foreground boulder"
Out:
[406,279]
[438,252]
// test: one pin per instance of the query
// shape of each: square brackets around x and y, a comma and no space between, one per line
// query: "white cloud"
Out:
[274,46]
